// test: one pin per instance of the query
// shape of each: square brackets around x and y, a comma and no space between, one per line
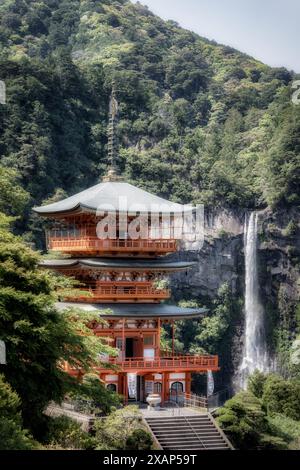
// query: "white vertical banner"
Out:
[210,383]
[132,386]
[2,352]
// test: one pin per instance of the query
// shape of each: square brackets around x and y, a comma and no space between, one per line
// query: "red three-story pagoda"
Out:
[124,276]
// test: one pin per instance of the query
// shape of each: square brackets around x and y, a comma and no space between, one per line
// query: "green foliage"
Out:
[246,423]
[266,416]
[198,120]
[291,229]
[12,435]
[282,396]
[287,429]
[139,440]
[65,433]
[92,396]
[121,430]
[13,198]
[37,337]
[256,383]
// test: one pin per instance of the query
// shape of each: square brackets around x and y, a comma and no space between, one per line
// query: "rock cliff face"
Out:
[221,259]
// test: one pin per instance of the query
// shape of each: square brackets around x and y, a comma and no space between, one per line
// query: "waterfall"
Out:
[255,355]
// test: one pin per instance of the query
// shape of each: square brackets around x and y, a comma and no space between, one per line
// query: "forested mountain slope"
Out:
[198,121]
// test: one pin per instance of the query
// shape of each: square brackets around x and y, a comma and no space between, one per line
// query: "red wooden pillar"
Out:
[173,338]
[165,387]
[188,380]
[123,341]
[120,384]
[125,389]
[158,337]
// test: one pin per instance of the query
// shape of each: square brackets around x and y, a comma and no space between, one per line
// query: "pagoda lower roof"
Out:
[117,263]
[136,310]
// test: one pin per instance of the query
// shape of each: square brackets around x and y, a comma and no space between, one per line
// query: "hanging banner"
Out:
[132,386]
[210,383]
[2,352]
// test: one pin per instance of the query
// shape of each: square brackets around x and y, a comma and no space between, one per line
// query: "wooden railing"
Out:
[139,364]
[94,244]
[156,364]
[115,292]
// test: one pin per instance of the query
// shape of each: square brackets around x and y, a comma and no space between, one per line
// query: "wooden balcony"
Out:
[96,246]
[175,363]
[140,365]
[121,293]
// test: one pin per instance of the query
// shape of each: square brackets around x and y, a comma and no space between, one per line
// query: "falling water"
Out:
[255,355]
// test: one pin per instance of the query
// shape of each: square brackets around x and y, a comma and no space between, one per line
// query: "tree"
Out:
[245,422]
[139,440]
[122,430]
[92,396]
[12,435]
[13,198]
[256,383]
[38,338]
[282,396]
[65,433]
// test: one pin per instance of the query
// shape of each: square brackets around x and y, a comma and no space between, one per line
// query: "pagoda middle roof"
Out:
[117,196]
[121,263]
[137,310]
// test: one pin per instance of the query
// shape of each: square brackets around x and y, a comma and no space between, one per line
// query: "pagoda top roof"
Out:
[118,263]
[137,310]
[117,196]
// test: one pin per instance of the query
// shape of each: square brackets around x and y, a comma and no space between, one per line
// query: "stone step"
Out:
[187,438]
[197,448]
[182,428]
[178,419]
[162,434]
[179,423]
[187,433]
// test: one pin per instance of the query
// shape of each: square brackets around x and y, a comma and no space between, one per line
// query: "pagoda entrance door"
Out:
[129,347]
[132,348]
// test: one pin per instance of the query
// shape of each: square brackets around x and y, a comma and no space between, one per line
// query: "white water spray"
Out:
[255,356]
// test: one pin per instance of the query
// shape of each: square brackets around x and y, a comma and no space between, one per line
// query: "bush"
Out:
[246,423]
[93,397]
[121,429]
[139,440]
[12,435]
[287,429]
[256,383]
[282,396]
[65,433]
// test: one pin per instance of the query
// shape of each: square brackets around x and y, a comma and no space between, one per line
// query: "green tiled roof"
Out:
[123,263]
[137,310]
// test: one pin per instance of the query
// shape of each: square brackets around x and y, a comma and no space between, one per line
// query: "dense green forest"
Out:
[198,121]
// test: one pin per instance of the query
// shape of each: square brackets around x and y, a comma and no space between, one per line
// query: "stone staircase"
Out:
[194,432]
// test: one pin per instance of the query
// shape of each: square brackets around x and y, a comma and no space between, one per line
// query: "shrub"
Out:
[282,396]
[256,383]
[246,423]
[139,440]
[12,435]
[65,433]
[119,430]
